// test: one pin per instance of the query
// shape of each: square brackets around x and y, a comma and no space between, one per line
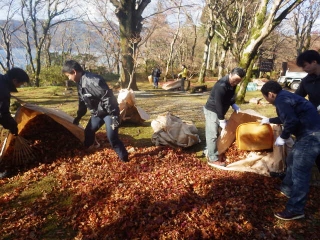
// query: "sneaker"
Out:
[216,163]
[286,215]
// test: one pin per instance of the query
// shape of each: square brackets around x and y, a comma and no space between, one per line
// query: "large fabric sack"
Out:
[171,85]
[228,135]
[171,130]
[129,112]
[258,162]
[262,162]
[28,111]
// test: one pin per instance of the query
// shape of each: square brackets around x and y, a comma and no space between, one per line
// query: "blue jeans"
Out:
[212,127]
[298,173]
[155,81]
[93,126]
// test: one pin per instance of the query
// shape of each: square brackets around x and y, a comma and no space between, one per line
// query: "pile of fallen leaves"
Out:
[234,154]
[48,140]
[162,193]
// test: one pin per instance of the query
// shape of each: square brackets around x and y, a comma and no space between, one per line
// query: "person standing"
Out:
[309,61]
[156,72]
[301,119]
[183,74]
[222,96]
[9,82]
[95,95]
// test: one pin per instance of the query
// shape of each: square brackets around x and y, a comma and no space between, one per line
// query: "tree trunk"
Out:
[210,34]
[170,61]
[242,88]
[129,14]
[264,23]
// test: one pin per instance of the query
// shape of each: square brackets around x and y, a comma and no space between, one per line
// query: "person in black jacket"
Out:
[222,96]
[9,82]
[156,75]
[309,61]
[95,95]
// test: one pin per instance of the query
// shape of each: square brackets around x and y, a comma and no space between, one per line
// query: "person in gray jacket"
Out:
[95,95]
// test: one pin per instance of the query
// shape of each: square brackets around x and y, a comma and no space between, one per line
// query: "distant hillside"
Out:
[77,31]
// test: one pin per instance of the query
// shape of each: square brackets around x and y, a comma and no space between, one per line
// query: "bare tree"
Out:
[211,13]
[108,31]
[7,30]
[39,16]
[304,18]
[174,39]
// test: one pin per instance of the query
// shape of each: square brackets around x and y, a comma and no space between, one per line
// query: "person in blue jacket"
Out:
[9,82]
[156,72]
[301,119]
[95,95]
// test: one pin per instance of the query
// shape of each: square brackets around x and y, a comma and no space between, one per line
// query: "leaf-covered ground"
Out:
[162,193]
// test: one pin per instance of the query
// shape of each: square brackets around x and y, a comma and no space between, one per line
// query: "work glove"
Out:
[318,108]
[76,120]
[115,122]
[280,141]
[223,123]
[264,121]
[235,107]
[14,130]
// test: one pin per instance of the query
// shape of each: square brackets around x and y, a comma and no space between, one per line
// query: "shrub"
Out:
[52,76]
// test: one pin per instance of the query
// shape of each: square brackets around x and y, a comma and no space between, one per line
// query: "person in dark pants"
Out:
[183,76]
[309,61]
[9,82]
[156,72]
[95,95]
[301,119]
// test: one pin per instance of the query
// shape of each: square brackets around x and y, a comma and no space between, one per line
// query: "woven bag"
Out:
[253,136]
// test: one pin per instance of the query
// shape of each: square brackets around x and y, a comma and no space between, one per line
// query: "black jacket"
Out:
[95,95]
[156,72]
[310,85]
[222,96]
[6,120]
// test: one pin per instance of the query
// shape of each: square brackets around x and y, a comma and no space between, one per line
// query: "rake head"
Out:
[18,152]
[23,152]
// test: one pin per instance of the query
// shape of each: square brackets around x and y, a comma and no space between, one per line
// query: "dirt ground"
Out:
[187,106]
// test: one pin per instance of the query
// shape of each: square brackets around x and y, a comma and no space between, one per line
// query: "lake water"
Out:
[19,57]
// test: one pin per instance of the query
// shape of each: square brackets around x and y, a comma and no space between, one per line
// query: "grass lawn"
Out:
[162,193]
